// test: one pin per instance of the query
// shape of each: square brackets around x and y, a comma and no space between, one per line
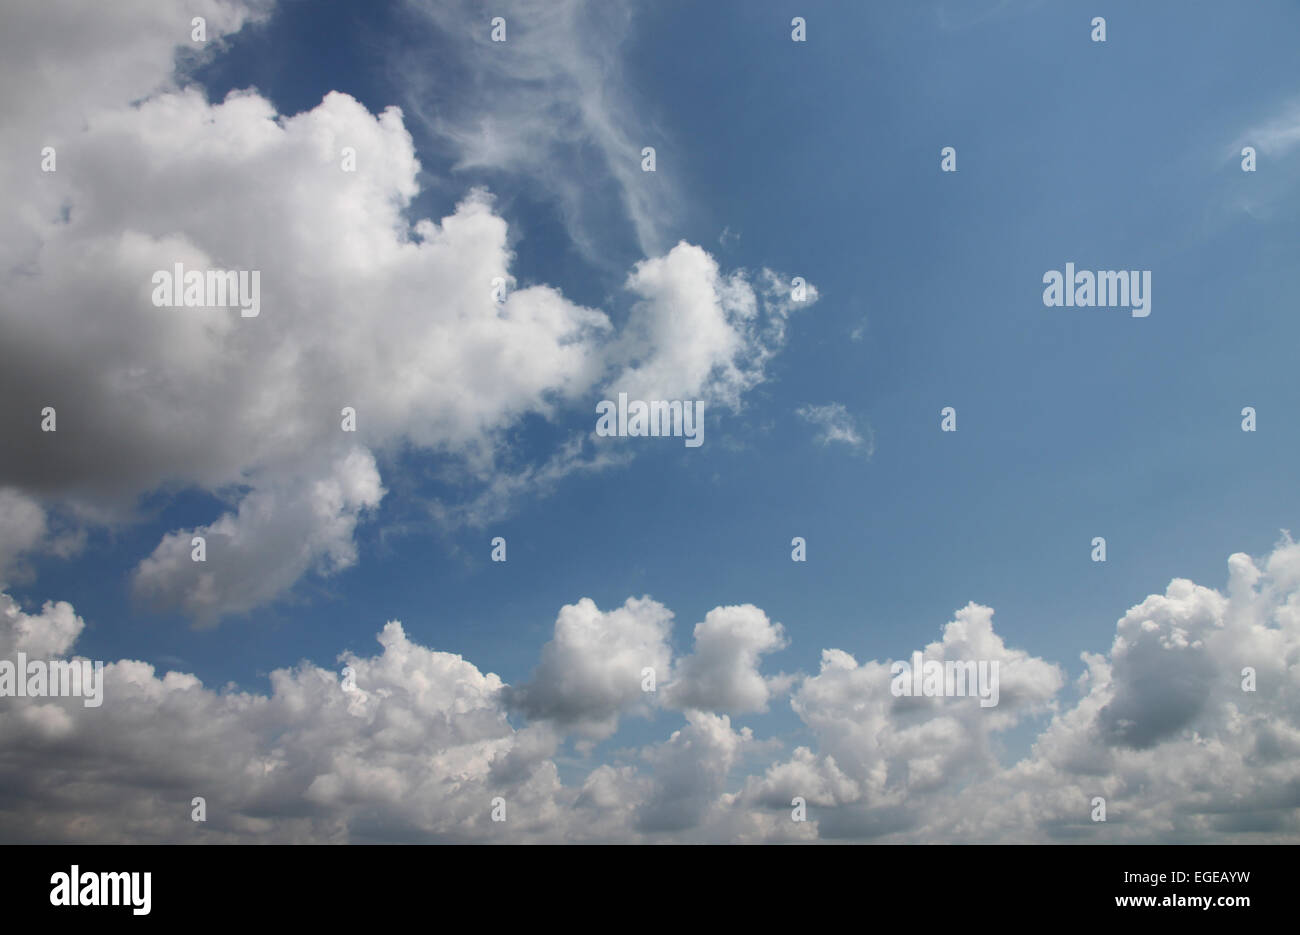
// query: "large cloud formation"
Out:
[412,744]
[365,306]
[361,306]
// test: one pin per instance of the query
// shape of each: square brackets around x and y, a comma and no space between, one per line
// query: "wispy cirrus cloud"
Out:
[549,106]
[836,425]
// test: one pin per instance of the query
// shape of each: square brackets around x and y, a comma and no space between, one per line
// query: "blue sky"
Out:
[1071,423]
[822,160]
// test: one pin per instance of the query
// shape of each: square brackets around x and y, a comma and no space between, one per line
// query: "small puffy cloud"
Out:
[696,334]
[1160,667]
[49,633]
[722,673]
[256,554]
[590,672]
